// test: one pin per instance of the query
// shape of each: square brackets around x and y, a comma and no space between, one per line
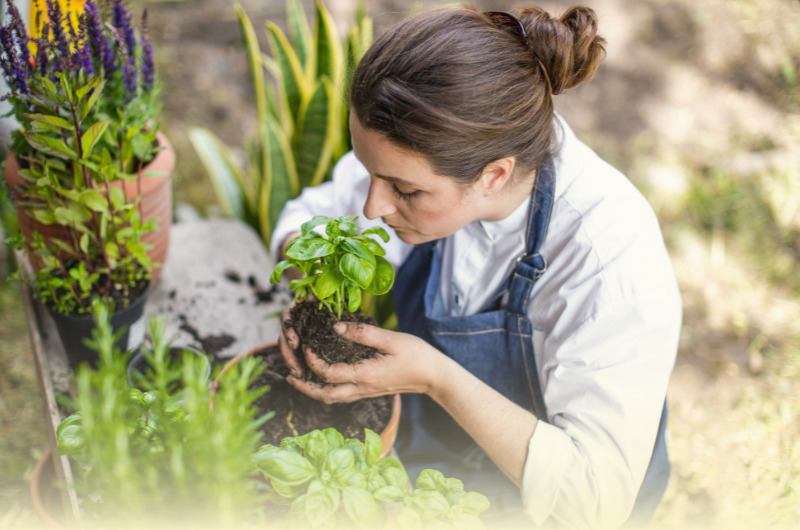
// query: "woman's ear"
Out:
[496,174]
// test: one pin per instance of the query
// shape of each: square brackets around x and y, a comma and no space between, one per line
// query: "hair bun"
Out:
[568,49]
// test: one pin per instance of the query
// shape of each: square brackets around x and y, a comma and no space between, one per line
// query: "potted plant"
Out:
[337,269]
[86,197]
[295,414]
[325,480]
[161,454]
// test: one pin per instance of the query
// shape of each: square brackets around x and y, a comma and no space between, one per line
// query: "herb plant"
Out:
[340,268]
[326,479]
[159,455]
[85,100]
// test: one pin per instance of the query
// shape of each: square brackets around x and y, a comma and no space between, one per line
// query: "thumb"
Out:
[363,334]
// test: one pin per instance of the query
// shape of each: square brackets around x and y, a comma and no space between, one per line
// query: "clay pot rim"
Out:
[389,432]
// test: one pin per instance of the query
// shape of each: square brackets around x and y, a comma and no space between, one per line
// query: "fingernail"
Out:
[339,328]
[295,372]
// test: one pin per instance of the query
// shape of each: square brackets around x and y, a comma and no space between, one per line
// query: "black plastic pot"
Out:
[140,369]
[74,330]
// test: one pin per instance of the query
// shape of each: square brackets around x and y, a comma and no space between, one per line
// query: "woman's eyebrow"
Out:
[395,180]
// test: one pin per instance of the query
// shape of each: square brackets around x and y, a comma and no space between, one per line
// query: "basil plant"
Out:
[339,268]
[328,480]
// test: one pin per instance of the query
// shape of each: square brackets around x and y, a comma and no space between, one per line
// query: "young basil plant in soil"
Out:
[337,268]
[326,479]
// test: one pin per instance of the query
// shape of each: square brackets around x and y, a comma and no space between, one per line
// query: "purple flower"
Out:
[93,28]
[129,76]
[148,62]
[19,29]
[14,70]
[58,39]
[122,20]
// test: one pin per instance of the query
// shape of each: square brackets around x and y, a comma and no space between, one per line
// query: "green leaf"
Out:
[340,462]
[230,185]
[91,136]
[320,503]
[362,508]
[317,448]
[354,296]
[318,133]
[432,502]
[286,467]
[374,446]
[250,41]
[328,48]
[304,248]
[299,29]
[54,121]
[395,475]
[377,230]
[390,493]
[473,503]
[354,246]
[315,221]
[291,79]
[327,283]
[280,183]
[275,277]
[94,200]
[383,279]
[430,479]
[357,269]
[71,439]
[50,146]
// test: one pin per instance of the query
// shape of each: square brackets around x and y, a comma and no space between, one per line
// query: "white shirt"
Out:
[606,317]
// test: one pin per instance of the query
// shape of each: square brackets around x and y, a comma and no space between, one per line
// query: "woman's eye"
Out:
[406,196]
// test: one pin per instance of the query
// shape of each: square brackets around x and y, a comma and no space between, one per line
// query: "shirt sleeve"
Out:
[344,194]
[606,328]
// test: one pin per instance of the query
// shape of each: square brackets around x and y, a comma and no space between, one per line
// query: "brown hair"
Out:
[451,85]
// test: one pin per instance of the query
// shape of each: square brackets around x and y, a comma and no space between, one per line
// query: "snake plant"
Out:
[301,91]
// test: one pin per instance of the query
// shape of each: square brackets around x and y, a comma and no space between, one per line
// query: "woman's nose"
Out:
[379,200]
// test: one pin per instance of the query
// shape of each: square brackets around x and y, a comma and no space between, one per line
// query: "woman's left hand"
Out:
[401,363]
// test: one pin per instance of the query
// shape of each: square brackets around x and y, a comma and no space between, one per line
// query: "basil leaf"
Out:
[357,269]
[383,278]
[362,508]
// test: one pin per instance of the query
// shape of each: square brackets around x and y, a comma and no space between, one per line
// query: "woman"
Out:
[538,310]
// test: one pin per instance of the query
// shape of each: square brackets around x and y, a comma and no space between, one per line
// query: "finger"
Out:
[332,373]
[364,334]
[328,394]
[289,356]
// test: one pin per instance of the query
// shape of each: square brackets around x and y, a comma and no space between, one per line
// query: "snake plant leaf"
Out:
[280,179]
[328,49]
[299,30]
[291,79]
[318,133]
[250,41]
[226,177]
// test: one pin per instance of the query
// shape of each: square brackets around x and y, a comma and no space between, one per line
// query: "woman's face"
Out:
[405,192]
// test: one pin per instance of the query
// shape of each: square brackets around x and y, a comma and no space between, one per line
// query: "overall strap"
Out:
[531,265]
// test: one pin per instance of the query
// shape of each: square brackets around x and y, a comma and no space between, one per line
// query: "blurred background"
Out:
[698,102]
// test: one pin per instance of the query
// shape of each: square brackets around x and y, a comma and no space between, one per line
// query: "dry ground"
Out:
[698,102]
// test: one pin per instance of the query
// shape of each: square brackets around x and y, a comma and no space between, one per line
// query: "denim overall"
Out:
[495,345]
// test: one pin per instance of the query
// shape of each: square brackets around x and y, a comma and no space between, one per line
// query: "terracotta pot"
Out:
[45,496]
[156,203]
[388,434]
